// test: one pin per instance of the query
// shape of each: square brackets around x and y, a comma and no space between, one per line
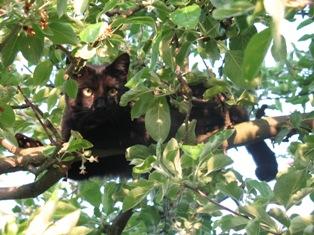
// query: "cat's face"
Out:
[100,87]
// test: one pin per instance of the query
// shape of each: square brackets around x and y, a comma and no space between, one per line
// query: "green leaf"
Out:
[288,185]
[82,230]
[80,6]
[155,48]
[110,189]
[259,212]
[215,141]
[305,23]
[110,4]
[187,134]
[165,50]
[61,7]
[142,105]
[9,47]
[218,162]
[232,8]
[52,99]
[183,53]
[133,94]
[42,218]
[137,151]
[157,120]
[231,189]
[306,37]
[312,48]
[143,166]
[300,223]
[233,65]
[65,224]
[229,222]
[209,49]
[138,78]
[280,216]
[253,228]
[279,52]
[90,191]
[7,116]
[8,133]
[42,73]
[92,32]
[171,158]
[261,186]
[31,47]
[240,41]
[141,20]
[213,91]
[70,88]
[62,33]
[59,78]
[187,17]
[77,142]
[139,192]
[254,53]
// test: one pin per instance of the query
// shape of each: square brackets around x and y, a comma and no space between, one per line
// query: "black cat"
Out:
[97,115]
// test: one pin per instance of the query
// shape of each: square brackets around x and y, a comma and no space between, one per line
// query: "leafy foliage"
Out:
[184,193]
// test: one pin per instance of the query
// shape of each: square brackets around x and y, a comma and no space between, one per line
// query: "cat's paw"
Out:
[27,142]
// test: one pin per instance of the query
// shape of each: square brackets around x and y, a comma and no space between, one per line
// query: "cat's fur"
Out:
[97,115]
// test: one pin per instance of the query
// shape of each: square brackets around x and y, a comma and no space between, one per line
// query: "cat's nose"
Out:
[100,103]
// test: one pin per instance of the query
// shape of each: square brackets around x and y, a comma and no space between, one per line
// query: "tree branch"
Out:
[34,189]
[257,130]
[25,159]
[119,223]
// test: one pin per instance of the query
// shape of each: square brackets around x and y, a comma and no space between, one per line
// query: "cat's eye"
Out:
[113,92]
[87,92]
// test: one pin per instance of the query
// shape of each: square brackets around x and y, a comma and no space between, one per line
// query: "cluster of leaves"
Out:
[189,182]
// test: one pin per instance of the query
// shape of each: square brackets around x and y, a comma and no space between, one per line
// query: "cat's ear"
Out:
[120,66]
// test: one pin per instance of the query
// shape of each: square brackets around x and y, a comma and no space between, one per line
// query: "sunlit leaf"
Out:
[70,87]
[7,115]
[31,47]
[10,46]
[288,185]
[218,162]
[62,33]
[300,223]
[157,120]
[254,53]
[232,222]
[142,20]
[61,7]
[91,32]
[186,17]
[137,194]
[64,225]
[233,65]
[232,8]
[90,191]
[42,73]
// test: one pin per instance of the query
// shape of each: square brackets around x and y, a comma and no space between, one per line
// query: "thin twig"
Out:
[66,51]
[47,125]
[214,202]
[38,113]
[249,216]
[23,106]
[125,13]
